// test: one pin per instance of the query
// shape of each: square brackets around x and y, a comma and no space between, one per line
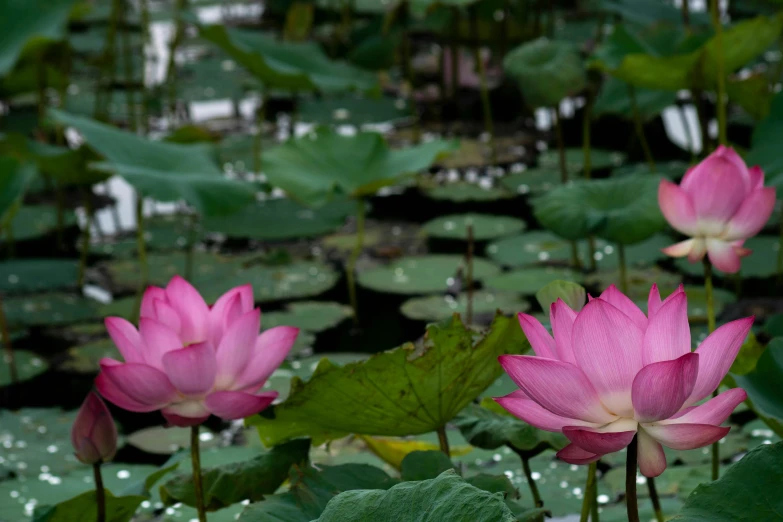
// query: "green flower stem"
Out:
[100,493]
[257,138]
[469,278]
[587,167]
[141,246]
[564,175]
[127,62]
[171,67]
[192,240]
[85,237]
[721,103]
[780,252]
[639,128]
[656,502]
[623,268]
[103,93]
[350,268]
[686,15]
[711,328]
[594,506]
[486,107]
[631,502]
[443,440]
[589,498]
[531,482]
[197,487]
[10,359]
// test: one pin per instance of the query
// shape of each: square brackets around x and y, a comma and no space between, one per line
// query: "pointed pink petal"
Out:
[608,349]
[668,335]
[151,294]
[716,354]
[519,405]
[167,316]
[142,384]
[653,301]
[677,208]
[192,309]
[191,369]
[596,441]
[126,338]
[158,339]
[230,405]
[723,256]
[752,215]
[562,318]
[681,249]
[756,177]
[718,184]
[652,459]
[94,434]
[686,436]
[619,300]
[237,349]
[113,394]
[660,389]
[542,343]
[559,387]
[714,411]
[271,349]
[573,454]
[226,310]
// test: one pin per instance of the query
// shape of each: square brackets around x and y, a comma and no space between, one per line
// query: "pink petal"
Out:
[94,434]
[653,301]
[521,406]
[716,354]
[158,339]
[182,422]
[236,348]
[686,436]
[559,387]
[126,338]
[660,389]
[226,310]
[668,335]
[573,454]
[186,413]
[723,256]
[722,159]
[542,343]
[562,317]
[142,384]
[191,369]
[718,193]
[677,208]
[650,455]
[167,316]
[698,249]
[619,300]
[714,411]
[151,294]
[230,405]
[756,177]
[608,349]
[681,249]
[752,215]
[113,394]
[192,309]
[596,441]
[271,349]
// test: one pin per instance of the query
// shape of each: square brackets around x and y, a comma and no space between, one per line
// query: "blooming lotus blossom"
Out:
[190,360]
[94,435]
[611,373]
[719,204]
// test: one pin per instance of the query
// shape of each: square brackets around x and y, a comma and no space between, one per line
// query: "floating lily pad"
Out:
[461,192]
[423,274]
[167,440]
[642,254]
[86,358]
[49,310]
[34,275]
[161,233]
[528,281]
[673,170]
[183,513]
[32,221]
[639,281]
[345,242]
[485,226]
[313,316]
[532,181]
[481,153]
[15,177]
[439,307]
[575,158]
[352,110]
[124,273]
[28,365]
[531,248]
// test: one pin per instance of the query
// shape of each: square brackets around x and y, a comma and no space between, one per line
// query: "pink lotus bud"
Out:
[719,204]
[611,373]
[190,360]
[94,435]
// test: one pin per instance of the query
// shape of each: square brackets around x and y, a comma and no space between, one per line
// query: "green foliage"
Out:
[83,508]
[28,365]
[422,465]
[34,275]
[14,179]
[573,294]
[763,385]
[313,316]
[528,281]
[440,307]
[485,226]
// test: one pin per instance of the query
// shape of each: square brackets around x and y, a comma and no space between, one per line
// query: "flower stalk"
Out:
[197,486]
[350,267]
[589,498]
[631,501]
[100,492]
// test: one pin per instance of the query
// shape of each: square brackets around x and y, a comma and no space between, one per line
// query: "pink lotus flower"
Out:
[719,203]
[611,373]
[189,360]
[94,435]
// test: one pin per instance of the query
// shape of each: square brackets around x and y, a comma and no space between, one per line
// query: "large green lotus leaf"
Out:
[528,281]
[622,210]
[461,192]
[82,508]
[614,99]
[440,307]
[14,178]
[423,274]
[743,493]
[547,71]
[649,12]
[763,151]
[35,275]
[51,309]
[575,159]
[485,226]
[298,66]
[162,233]
[161,170]
[673,170]
[313,316]
[446,497]
[303,368]
[276,219]
[67,166]
[530,248]
[28,365]
[30,22]
[207,267]
[409,390]
[314,167]
[33,221]
[752,94]
[532,181]
[763,385]
[86,358]
[352,110]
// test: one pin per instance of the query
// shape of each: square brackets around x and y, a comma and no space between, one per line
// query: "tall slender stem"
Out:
[594,505]
[9,350]
[564,175]
[708,294]
[197,487]
[127,62]
[623,268]
[537,502]
[350,268]
[100,493]
[469,262]
[171,67]
[406,57]
[103,93]
[192,239]
[258,137]
[780,252]
[701,112]
[656,502]
[146,41]
[443,440]
[141,246]
[455,49]
[686,15]
[587,167]
[486,107]
[639,128]
[589,498]
[721,102]
[631,502]
[85,237]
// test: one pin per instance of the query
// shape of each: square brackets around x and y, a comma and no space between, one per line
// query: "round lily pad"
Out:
[49,310]
[37,220]
[532,181]
[640,280]
[438,307]
[669,169]
[125,307]
[352,110]
[86,358]
[165,441]
[478,153]
[162,267]
[530,248]
[645,253]
[28,365]
[313,316]
[35,275]
[274,283]
[461,192]
[345,241]
[528,281]
[485,226]
[575,159]
[161,233]
[424,274]
[184,513]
